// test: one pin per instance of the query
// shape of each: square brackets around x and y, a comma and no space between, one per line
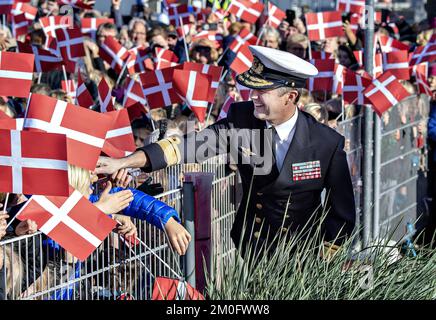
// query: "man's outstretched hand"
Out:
[106,165]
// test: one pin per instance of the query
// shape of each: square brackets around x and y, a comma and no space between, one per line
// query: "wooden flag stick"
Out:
[184,39]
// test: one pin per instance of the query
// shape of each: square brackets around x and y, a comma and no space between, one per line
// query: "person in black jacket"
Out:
[285,160]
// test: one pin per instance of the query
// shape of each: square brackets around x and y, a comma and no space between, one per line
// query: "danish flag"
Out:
[225,108]
[322,55]
[214,36]
[177,12]
[133,93]
[83,96]
[105,96]
[244,37]
[85,129]
[322,25]
[158,88]
[70,88]
[11,123]
[16,74]
[45,61]
[33,163]
[243,60]
[50,25]
[164,58]
[70,44]
[28,10]
[119,139]
[420,72]
[377,65]
[355,6]
[358,54]
[213,71]
[385,92]
[72,221]
[79,4]
[193,88]
[275,15]
[89,26]
[354,85]
[184,30]
[20,25]
[246,10]
[114,53]
[389,44]
[397,63]
[173,289]
[139,60]
[425,53]
[330,77]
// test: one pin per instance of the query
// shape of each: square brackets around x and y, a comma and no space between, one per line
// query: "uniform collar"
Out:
[286,127]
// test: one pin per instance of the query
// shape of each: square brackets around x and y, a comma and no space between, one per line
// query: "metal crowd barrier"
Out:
[34,270]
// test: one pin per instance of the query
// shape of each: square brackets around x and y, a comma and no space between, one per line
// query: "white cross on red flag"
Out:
[213,71]
[83,96]
[214,36]
[225,107]
[385,92]
[114,53]
[397,63]
[79,4]
[164,58]
[119,139]
[354,85]
[246,10]
[322,25]
[389,44]
[243,60]
[425,53]
[70,43]
[33,163]
[354,6]
[322,55]
[105,96]
[177,12]
[182,32]
[275,15]
[193,88]
[45,61]
[16,74]
[89,26]
[158,88]
[244,37]
[174,289]
[28,10]
[323,81]
[20,25]
[72,221]
[11,123]
[85,129]
[139,60]
[49,26]
[133,93]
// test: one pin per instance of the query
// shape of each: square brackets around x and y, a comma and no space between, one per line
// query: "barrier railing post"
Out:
[202,182]
[189,216]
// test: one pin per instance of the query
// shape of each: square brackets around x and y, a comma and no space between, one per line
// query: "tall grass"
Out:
[302,268]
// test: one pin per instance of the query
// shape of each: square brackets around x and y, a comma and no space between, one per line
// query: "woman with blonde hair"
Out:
[317,111]
[203,51]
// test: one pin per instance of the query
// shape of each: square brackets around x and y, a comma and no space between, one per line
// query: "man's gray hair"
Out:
[135,21]
[281,91]
[270,31]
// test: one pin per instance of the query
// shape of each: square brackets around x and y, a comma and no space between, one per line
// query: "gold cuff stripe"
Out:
[170,150]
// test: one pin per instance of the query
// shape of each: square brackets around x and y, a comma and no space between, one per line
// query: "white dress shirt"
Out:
[283,138]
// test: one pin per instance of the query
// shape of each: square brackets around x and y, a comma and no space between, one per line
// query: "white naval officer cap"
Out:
[274,68]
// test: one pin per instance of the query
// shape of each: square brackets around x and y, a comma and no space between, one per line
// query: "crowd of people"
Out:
[149,30]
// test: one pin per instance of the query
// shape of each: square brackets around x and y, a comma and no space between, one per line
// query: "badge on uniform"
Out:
[306,170]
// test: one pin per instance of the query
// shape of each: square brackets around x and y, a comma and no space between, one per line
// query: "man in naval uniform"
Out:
[306,156]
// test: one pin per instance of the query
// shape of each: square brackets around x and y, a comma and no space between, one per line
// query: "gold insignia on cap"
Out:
[257,66]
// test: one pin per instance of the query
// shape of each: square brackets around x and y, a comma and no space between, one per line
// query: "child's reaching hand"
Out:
[178,236]
[115,202]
